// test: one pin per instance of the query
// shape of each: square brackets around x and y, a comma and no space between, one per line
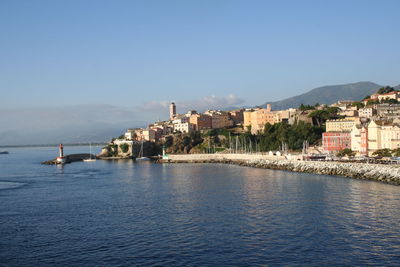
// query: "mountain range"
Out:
[329,95]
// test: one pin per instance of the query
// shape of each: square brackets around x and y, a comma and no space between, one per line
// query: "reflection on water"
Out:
[123,213]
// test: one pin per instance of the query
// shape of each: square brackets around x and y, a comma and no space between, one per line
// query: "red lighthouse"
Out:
[61,158]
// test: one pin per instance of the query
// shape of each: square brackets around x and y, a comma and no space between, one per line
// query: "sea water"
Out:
[123,213]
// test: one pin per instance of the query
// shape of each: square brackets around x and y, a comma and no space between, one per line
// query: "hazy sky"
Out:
[142,54]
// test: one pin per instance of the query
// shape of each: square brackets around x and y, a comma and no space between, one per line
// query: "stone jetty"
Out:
[71,158]
[375,172]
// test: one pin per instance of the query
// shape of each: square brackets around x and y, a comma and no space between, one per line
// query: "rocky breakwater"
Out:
[375,172]
[71,158]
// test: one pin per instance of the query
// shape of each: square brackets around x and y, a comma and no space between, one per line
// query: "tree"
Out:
[306,107]
[385,89]
[196,138]
[169,141]
[293,135]
[390,101]
[124,147]
[372,102]
[357,104]
[385,152]
[346,152]
[396,152]
[322,115]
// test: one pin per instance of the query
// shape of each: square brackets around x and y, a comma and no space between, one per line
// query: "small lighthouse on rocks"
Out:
[61,158]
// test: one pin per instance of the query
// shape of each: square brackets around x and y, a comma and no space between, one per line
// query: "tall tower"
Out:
[172,111]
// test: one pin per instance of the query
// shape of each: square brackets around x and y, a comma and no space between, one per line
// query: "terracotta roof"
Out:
[391,93]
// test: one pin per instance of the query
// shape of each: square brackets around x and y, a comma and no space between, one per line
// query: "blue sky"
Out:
[132,54]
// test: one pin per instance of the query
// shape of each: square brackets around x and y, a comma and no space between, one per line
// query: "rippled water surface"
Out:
[121,213]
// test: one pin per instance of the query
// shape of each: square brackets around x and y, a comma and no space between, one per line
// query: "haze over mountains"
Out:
[98,123]
[329,95]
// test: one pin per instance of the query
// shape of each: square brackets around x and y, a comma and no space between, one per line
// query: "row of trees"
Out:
[273,137]
[347,152]
[294,135]
[387,152]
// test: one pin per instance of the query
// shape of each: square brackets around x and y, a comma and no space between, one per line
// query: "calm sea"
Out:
[122,213]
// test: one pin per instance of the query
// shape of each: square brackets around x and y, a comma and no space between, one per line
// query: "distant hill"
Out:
[397,87]
[328,95]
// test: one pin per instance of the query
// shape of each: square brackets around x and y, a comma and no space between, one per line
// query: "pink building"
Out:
[364,141]
[336,141]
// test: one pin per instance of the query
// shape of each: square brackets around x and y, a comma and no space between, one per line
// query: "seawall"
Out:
[71,158]
[375,172]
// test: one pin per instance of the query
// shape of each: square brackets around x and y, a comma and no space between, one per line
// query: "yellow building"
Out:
[257,118]
[343,125]
[219,119]
[200,121]
[382,135]
[247,117]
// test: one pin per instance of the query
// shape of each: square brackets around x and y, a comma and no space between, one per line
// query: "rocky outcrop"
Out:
[129,150]
[182,143]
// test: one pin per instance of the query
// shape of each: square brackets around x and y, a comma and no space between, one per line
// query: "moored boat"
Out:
[140,155]
[90,159]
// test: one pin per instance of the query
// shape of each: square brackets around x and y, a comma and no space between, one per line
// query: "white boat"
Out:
[90,159]
[140,155]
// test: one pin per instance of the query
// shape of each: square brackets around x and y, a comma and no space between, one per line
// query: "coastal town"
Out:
[350,129]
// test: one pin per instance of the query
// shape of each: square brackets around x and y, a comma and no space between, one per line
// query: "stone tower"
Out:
[172,111]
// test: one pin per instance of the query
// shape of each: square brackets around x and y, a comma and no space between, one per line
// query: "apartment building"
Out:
[383,134]
[359,139]
[183,127]
[342,125]
[219,119]
[336,141]
[200,121]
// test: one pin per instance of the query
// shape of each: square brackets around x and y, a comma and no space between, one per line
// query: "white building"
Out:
[366,112]
[183,127]
[181,120]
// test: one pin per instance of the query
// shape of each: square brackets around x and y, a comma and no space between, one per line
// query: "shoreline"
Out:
[389,174]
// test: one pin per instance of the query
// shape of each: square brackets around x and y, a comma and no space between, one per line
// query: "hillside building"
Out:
[200,121]
[341,125]
[359,139]
[336,141]
[172,111]
[383,134]
[183,127]
[219,119]
[237,116]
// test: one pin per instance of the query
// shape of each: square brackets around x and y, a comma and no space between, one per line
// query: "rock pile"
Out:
[375,172]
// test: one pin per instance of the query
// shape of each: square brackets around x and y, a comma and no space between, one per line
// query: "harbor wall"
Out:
[375,172]
[210,157]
